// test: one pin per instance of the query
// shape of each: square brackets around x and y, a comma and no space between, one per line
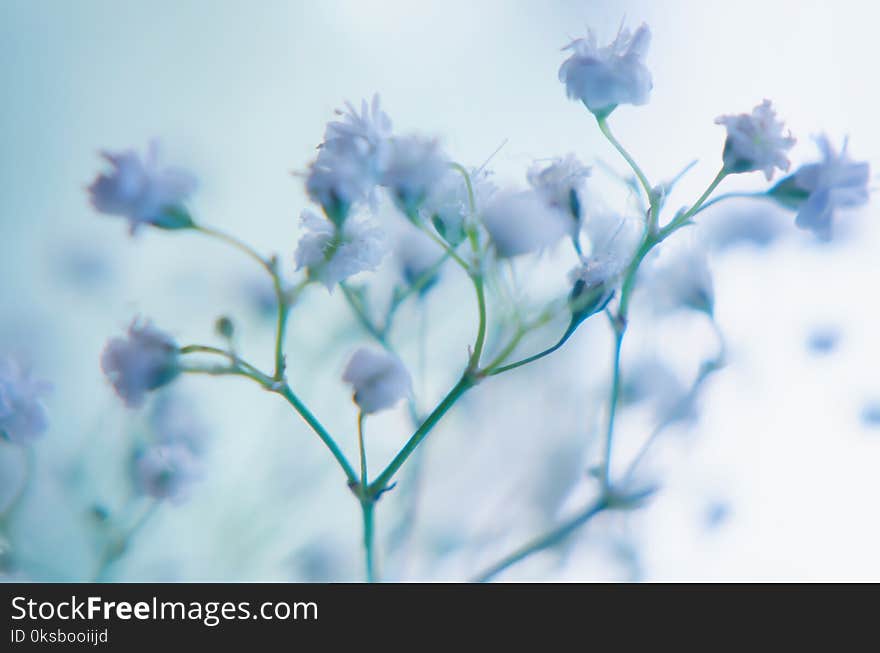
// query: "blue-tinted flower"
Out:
[678,276]
[416,255]
[143,191]
[447,206]
[413,167]
[333,253]
[174,421]
[378,377]
[22,415]
[144,360]
[604,77]
[756,141]
[521,222]
[350,160]
[613,241]
[835,182]
[560,183]
[165,471]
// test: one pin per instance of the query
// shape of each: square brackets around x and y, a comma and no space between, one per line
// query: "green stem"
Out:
[367,507]
[320,431]
[544,541]
[361,314]
[734,195]
[466,382]
[118,547]
[492,371]
[474,362]
[362,450]
[681,220]
[643,180]
[619,330]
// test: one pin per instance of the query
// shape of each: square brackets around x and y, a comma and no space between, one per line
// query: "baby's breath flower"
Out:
[416,254]
[143,191]
[146,359]
[613,242]
[560,183]
[678,275]
[603,77]
[755,141]
[333,253]
[351,159]
[165,471]
[521,222]
[448,204]
[378,377]
[835,182]
[414,166]
[22,416]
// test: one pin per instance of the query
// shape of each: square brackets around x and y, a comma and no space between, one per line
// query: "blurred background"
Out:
[772,476]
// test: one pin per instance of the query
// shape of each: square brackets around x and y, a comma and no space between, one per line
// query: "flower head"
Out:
[413,167]
[416,255]
[143,191]
[332,253]
[22,416]
[603,77]
[448,205]
[613,242]
[755,141]
[165,471]
[679,276]
[560,183]
[144,360]
[378,377]
[350,160]
[834,182]
[521,222]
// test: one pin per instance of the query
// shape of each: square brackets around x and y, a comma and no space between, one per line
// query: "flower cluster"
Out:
[22,415]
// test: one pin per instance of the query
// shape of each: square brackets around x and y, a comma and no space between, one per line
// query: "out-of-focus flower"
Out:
[521,222]
[333,253]
[351,159]
[604,77]
[650,380]
[816,190]
[447,206]
[755,225]
[416,254]
[613,242]
[414,165]
[165,471]
[871,414]
[756,141]
[175,422]
[146,359]
[560,183]
[678,276]
[22,416]
[378,377]
[143,191]
[823,339]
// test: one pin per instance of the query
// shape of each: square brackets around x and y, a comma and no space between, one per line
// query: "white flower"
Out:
[613,242]
[378,377]
[175,422]
[835,182]
[336,181]
[143,361]
[22,416]
[521,222]
[413,167]
[333,253]
[560,183]
[678,275]
[416,254]
[603,77]
[363,134]
[448,202]
[351,159]
[755,141]
[143,191]
[165,471]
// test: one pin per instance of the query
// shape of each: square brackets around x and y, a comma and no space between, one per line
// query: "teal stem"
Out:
[367,507]
[619,330]
[545,541]
[466,382]
[643,180]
